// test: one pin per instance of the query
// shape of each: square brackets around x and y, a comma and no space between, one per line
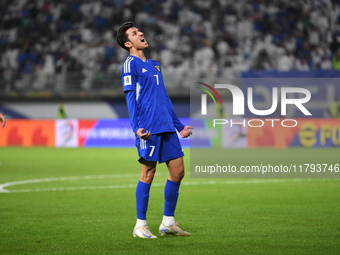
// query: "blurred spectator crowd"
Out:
[47,37]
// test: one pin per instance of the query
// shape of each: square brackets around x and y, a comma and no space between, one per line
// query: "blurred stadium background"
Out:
[64,52]
[60,87]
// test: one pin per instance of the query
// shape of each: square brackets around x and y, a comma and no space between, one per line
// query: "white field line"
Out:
[69,178]
[93,177]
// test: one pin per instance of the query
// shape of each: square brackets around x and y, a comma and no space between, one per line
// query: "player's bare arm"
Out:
[2,120]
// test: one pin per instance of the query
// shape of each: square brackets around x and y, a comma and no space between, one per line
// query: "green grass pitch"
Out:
[82,201]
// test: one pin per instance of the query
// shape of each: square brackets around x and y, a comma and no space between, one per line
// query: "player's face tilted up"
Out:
[136,39]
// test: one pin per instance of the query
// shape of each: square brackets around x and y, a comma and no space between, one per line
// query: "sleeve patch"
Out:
[127,80]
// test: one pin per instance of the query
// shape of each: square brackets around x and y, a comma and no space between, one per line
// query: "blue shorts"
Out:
[160,147]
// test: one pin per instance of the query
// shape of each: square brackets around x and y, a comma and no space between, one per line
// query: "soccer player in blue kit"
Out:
[154,122]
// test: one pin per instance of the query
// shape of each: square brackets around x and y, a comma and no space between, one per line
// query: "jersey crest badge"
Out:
[158,68]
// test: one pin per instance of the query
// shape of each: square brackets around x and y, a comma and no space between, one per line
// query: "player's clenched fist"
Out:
[144,136]
[186,131]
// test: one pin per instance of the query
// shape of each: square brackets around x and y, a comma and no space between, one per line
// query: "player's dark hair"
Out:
[121,36]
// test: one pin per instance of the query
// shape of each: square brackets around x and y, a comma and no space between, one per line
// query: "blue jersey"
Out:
[148,103]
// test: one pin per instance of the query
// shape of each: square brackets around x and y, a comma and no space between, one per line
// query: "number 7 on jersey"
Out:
[156,75]
[152,150]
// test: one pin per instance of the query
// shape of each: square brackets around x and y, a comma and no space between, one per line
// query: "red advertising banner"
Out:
[307,133]
[274,133]
[27,133]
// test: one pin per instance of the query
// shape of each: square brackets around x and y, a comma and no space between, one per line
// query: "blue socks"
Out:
[171,196]
[142,199]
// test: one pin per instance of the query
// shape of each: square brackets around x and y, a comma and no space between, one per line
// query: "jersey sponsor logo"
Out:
[127,80]
[158,68]
[143,70]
